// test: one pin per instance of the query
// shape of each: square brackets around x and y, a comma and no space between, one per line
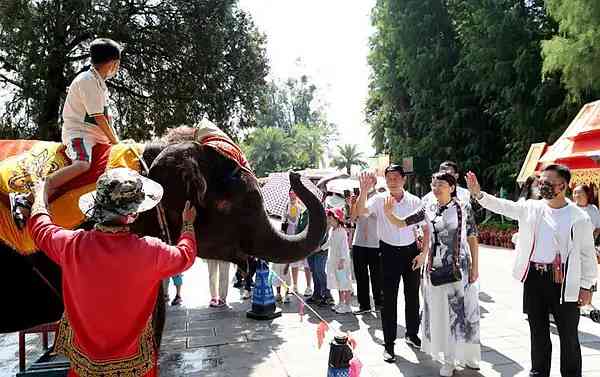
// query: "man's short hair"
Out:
[103,50]
[561,170]
[449,165]
[395,167]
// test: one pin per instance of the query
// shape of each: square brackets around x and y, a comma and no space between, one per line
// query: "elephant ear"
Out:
[176,168]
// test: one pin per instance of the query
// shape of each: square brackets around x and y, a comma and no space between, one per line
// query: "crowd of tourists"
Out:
[378,238]
[431,245]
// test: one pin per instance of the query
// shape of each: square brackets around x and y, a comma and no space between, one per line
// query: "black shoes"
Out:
[413,341]
[388,354]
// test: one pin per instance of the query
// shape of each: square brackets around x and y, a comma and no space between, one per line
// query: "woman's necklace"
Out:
[112,228]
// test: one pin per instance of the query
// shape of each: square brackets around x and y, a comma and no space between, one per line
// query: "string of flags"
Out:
[355,365]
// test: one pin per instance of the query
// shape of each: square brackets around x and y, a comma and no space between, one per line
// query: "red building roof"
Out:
[579,145]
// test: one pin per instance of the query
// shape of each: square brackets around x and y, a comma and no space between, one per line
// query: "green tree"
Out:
[268,150]
[348,156]
[309,146]
[292,103]
[183,59]
[462,80]
[575,50]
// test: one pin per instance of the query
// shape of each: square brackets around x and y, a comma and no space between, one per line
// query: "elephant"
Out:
[231,225]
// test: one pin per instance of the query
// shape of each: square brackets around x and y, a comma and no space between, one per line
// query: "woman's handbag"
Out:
[448,273]
[445,274]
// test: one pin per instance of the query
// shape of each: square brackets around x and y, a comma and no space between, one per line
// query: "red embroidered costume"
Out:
[110,284]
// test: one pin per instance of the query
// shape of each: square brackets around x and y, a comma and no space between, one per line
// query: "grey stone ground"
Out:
[200,341]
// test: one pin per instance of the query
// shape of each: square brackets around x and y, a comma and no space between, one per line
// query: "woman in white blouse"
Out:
[582,195]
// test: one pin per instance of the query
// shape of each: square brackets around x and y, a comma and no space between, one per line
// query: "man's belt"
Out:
[542,267]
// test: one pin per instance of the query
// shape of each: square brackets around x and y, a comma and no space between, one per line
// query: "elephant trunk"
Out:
[272,245]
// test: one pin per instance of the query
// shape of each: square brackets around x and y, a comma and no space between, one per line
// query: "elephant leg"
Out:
[159,316]
[29,301]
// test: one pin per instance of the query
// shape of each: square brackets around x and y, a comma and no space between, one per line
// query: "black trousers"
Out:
[367,263]
[247,279]
[542,297]
[397,263]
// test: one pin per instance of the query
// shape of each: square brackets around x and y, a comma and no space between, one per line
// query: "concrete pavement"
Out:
[201,341]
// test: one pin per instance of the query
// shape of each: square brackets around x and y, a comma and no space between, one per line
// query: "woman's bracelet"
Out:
[187,227]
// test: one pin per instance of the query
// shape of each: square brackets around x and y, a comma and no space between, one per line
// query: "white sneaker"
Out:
[343,309]
[447,370]
[472,365]
[308,292]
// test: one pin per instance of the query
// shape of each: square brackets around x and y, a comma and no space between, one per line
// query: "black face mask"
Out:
[547,191]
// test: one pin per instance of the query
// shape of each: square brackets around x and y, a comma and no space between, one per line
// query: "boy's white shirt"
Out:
[580,257]
[87,95]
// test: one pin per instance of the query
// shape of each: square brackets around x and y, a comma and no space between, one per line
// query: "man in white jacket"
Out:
[556,262]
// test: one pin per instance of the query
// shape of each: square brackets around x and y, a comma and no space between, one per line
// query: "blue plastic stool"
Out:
[263,300]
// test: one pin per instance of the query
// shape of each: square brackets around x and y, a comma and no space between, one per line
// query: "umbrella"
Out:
[276,192]
[323,181]
[340,185]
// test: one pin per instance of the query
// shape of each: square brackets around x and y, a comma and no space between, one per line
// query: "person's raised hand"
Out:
[189,213]
[364,181]
[388,205]
[473,184]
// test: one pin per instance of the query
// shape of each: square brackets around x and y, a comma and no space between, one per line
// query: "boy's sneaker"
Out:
[20,208]
[413,341]
[176,301]
[308,292]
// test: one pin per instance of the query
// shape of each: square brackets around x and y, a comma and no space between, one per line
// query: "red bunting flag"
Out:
[301,310]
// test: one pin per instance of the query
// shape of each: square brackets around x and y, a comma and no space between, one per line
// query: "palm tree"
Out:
[269,150]
[348,155]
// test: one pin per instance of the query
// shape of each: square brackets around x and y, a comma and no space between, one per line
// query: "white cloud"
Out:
[331,39]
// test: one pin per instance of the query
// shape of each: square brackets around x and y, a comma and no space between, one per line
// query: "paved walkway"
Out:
[200,341]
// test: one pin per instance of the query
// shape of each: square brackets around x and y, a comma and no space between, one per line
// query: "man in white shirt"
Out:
[556,261]
[398,212]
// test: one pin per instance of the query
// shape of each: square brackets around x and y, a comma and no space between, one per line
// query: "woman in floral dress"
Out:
[450,329]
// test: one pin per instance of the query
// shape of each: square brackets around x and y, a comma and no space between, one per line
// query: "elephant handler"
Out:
[110,276]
